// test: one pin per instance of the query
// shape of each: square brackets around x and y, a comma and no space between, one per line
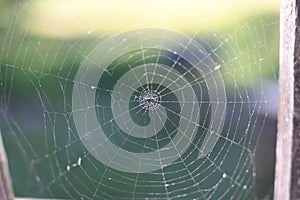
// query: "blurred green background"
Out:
[42,44]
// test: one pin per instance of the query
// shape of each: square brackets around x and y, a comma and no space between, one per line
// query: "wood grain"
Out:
[6,189]
[287,150]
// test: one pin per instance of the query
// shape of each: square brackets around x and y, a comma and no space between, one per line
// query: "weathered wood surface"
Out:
[295,183]
[6,189]
[287,177]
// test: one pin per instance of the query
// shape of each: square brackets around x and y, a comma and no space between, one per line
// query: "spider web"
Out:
[142,112]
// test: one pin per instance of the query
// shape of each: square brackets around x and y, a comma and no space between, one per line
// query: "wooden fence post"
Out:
[287,177]
[6,189]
